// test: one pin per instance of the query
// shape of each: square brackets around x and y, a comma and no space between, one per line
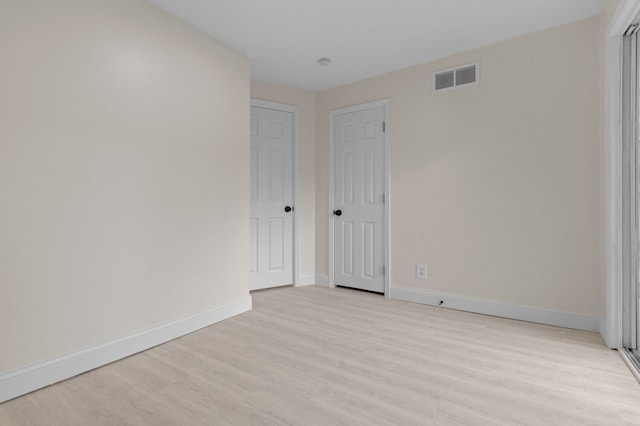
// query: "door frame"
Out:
[387,196]
[294,110]
[611,325]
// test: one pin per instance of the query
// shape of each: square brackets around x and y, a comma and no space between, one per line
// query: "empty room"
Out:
[285,212]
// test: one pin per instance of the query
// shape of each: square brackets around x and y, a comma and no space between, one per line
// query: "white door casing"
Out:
[271,227]
[625,15]
[359,186]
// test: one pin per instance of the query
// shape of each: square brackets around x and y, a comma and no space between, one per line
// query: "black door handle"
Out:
[337,212]
[288,209]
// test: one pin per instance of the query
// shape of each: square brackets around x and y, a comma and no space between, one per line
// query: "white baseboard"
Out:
[322,280]
[498,309]
[28,379]
[602,328]
[313,279]
[305,280]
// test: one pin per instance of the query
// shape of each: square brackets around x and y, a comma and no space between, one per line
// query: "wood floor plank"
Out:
[319,356]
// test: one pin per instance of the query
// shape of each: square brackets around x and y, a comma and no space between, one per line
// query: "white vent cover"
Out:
[464,75]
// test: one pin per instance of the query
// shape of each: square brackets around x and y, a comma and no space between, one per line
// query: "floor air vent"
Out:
[464,75]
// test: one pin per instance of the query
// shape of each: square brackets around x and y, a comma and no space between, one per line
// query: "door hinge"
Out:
[383,269]
[384,126]
[383,198]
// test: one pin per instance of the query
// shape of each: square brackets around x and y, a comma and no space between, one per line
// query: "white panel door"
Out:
[359,199]
[271,222]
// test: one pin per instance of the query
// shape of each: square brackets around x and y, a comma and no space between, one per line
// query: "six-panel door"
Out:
[359,199]
[271,227]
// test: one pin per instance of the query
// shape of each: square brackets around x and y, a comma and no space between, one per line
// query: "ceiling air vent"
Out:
[464,75]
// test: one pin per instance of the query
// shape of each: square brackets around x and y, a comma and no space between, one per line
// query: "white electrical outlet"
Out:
[421,271]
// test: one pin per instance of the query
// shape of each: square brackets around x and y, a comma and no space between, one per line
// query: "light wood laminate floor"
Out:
[319,356]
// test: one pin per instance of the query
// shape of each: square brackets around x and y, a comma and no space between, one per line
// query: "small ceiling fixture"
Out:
[324,62]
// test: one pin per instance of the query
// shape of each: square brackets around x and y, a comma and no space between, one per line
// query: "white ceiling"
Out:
[364,38]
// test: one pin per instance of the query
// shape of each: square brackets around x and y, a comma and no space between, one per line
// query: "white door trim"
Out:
[294,110]
[611,328]
[387,202]
[626,12]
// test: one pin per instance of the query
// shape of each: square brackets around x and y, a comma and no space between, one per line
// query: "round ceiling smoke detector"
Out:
[324,62]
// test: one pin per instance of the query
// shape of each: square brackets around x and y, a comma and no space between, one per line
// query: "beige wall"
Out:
[124,174]
[306,203]
[497,187]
